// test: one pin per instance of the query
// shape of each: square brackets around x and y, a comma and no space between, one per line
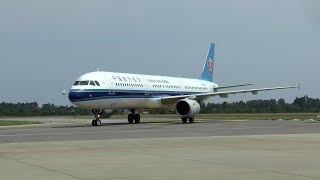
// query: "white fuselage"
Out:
[110,90]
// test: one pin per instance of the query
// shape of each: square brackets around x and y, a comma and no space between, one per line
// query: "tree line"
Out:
[299,105]
[33,109]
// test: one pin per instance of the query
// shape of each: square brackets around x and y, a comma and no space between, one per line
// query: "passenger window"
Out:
[97,83]
[76,83]
[82,83]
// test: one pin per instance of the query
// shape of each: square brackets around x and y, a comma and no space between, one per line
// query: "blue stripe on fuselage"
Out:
[76,95]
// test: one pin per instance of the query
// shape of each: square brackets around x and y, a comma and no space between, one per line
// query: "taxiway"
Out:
[163,149]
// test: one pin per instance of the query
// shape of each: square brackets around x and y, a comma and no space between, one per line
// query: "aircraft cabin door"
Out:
[146,90]
[112,87]
[147,95]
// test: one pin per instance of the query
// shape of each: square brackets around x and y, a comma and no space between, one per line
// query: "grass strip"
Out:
[13,123]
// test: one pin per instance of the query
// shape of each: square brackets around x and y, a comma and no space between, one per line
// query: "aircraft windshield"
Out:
[84,83]
[92,83]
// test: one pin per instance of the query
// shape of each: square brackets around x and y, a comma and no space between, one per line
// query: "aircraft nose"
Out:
[75,95]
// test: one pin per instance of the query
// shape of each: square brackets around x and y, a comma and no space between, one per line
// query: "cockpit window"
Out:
[92,83]
[83,83]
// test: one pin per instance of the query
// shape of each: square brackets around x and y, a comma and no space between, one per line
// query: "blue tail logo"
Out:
[207,71]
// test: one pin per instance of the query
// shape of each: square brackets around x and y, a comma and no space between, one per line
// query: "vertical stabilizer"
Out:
[208,68]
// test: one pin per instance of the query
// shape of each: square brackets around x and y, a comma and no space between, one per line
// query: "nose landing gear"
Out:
[96,122]
[97,114]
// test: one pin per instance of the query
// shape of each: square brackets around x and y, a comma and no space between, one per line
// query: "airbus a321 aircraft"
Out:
[102,92]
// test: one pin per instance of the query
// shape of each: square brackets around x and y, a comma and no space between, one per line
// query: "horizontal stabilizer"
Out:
[64,92]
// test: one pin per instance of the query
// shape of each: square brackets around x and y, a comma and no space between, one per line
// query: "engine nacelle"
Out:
[102,114]
[187,108]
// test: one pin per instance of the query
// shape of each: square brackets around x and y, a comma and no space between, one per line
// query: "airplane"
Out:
[103,92]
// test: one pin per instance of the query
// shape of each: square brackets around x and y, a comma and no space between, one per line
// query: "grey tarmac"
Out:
[120,129]
[162,149]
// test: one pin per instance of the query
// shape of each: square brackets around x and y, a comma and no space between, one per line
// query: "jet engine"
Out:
[187,108]
[102,114]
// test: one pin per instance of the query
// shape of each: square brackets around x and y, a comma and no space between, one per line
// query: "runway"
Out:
[162,149]
[120,129]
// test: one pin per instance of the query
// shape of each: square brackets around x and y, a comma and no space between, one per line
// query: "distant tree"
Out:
[300,104]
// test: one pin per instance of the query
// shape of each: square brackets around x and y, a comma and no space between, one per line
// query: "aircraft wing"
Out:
[225,94]
[232,86]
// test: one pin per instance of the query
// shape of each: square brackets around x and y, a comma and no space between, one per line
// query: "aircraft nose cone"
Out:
[74,96]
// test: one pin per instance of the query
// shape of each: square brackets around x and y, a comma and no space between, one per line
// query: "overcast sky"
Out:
[46,45]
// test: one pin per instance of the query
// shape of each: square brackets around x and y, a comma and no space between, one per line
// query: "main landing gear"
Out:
[97,114]
[133,117]
[184,120]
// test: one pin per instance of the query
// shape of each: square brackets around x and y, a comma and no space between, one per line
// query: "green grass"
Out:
[232,116]
[13,123]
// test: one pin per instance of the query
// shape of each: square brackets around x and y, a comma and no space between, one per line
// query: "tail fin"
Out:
[208,71]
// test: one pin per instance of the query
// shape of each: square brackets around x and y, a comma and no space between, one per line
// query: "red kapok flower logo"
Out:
[210,65]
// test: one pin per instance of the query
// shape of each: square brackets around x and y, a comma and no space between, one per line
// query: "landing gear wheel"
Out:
[136,118]
[191,120]
[98,122]
[94,122]
[130,118]
[184,120]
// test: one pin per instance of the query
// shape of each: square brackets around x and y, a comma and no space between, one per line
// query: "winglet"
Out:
[208,68]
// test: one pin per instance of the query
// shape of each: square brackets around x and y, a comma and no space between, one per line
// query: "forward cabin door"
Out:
[147,93]
[112,102]
[112,87]
[146,90]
